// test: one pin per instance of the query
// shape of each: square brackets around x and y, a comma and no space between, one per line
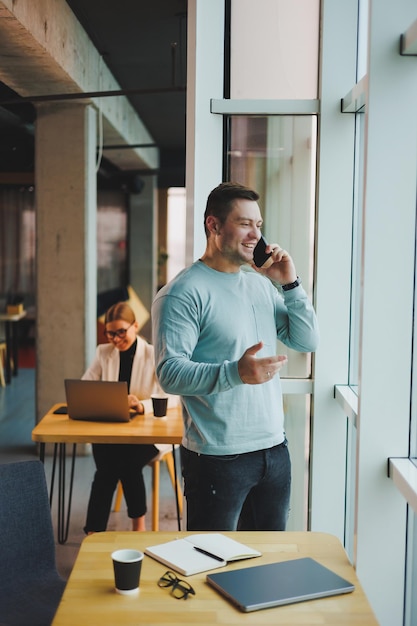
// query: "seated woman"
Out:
[127,357]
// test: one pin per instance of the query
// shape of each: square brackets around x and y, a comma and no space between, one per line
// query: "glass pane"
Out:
[297,428]
[411,574]
[350,490]
[413,421]
[276,155]
[362,39]
[274,49]
[356,252]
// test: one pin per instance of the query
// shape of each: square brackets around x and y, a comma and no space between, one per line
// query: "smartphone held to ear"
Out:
[260,257]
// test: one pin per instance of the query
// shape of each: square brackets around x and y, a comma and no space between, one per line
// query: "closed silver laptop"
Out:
[276,584]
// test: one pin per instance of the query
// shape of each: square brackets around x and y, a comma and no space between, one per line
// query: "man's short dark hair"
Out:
[221,199]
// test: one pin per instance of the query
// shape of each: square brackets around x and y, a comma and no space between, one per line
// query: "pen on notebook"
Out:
[213,556]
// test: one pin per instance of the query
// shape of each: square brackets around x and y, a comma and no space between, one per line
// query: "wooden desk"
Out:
[141,429]
[60,430]
[89,597]
[12,342]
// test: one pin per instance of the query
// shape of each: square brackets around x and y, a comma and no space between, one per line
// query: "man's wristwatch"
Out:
[291,285]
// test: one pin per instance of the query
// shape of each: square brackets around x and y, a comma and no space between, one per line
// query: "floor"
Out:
[17,419]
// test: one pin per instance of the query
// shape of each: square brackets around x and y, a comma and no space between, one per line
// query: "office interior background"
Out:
[314,104]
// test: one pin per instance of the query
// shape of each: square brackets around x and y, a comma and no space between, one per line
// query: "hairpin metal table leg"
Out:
[64,508]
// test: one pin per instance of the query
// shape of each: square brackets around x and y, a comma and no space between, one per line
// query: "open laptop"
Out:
[97,400]
[275,584]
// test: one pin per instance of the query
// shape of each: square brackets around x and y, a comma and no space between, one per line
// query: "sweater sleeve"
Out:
[296,322]
[176,329]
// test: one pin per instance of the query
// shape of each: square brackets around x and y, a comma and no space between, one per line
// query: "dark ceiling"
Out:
[143,43]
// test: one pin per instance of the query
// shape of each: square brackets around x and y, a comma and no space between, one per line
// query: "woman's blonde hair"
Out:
[120,311]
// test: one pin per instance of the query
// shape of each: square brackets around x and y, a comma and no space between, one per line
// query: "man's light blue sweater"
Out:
[203,322]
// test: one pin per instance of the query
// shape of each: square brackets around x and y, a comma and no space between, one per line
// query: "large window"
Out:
[276,155]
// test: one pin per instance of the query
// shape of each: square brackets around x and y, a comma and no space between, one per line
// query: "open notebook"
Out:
[275,584]
[200,553]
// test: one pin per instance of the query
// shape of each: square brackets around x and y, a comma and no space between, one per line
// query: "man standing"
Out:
[215,330]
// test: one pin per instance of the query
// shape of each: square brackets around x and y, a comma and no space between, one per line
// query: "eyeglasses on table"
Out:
[180,588]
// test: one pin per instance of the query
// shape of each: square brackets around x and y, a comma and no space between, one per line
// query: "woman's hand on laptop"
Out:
[136,404]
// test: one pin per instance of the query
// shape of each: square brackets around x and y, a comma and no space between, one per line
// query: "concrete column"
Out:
[66,292]
[142,233]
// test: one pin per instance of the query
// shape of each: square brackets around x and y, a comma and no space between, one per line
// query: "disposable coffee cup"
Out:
[127,565]
[160,404]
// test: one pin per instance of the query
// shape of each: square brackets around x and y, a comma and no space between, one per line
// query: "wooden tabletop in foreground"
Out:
[90,599]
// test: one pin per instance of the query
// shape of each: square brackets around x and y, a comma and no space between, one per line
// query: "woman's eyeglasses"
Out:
[180,588]
[121,333]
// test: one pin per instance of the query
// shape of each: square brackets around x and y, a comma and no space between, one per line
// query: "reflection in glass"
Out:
[276,155]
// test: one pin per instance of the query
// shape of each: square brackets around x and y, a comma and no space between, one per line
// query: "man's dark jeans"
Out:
[249,491]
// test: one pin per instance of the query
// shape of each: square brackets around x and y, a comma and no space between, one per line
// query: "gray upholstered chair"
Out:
[30,586]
